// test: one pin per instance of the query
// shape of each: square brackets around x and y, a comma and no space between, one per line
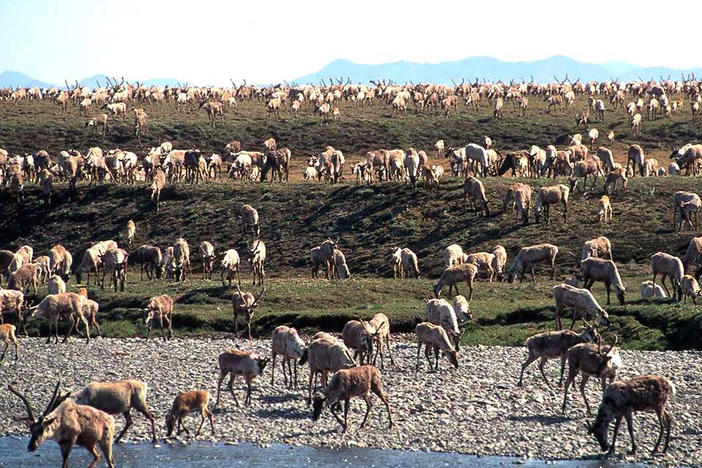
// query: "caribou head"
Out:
[38,427]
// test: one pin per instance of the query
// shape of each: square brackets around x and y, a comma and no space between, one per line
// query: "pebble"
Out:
[479,401]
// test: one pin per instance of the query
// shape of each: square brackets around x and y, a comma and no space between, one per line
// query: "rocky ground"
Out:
[476,409]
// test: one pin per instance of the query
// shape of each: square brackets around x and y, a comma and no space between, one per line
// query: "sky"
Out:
[209,42]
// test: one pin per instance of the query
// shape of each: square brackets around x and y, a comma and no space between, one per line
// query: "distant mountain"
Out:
[618,67]
[470,69]
[490,69]
[94,81]
[13,79]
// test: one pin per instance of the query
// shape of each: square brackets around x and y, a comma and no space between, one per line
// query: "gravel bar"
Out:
[476,409]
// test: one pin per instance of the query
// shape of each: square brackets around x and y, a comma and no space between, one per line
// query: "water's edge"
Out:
[13,453]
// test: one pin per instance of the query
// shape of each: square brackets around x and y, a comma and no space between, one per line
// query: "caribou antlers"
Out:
[113,83]
[68,87]
[237,90]
[252,252]
[334,242]
[246,308]
[599,347]
[27,404]
[253,304]
[559,81]
[263,289]
[53,403]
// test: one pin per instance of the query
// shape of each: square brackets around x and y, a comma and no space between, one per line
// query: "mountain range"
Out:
[101,80]
[13,79]
[491,69]
[470,69]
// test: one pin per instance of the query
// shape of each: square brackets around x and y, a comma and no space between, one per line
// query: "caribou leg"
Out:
[663,277]
[127,424]
[273,369]
[66,447]
[617,423]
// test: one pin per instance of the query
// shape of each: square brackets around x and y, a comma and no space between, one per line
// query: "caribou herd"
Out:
[583,156]
[352,356]
[346,363]
[639,101]
[162,166]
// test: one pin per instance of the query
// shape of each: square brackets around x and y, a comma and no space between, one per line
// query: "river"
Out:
[13,453]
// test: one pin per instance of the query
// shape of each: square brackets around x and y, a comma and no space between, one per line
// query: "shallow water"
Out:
[13,453]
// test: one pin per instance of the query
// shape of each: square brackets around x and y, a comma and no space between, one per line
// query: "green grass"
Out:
[504,314]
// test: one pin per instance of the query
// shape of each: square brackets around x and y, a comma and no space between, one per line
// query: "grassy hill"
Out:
[368,220]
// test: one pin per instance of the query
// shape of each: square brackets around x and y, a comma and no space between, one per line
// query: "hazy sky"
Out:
[206,41]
